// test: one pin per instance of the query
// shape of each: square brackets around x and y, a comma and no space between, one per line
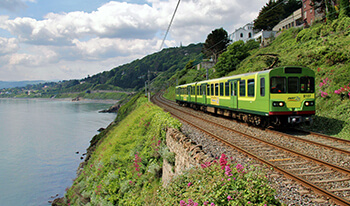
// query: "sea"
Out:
[41,146]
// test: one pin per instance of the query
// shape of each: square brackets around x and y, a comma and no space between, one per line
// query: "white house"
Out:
[244,33]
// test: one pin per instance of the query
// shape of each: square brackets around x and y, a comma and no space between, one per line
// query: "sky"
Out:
[71,39]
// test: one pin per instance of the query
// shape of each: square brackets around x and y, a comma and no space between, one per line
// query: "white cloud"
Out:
[8,46]
[115,33]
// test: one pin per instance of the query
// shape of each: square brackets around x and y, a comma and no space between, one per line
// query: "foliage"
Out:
[326,7]
[273,12]
[344,8]
[321,46]
[222,182]
[125,168]
[128,77]
[235,53]
[216,43]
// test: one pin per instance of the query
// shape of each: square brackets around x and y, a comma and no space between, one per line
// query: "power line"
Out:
[172,19]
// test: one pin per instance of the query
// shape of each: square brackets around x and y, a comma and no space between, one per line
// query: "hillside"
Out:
[128,77]
[12,84]
[323,47]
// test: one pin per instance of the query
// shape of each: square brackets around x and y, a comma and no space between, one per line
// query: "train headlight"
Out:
[278,104]
[309,103]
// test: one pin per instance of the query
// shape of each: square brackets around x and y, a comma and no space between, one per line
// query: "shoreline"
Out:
[104,101]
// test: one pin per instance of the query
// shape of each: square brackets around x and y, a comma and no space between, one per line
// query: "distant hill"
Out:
[127,77]
[10,84]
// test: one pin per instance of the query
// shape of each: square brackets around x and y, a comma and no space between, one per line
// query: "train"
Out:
[281,96]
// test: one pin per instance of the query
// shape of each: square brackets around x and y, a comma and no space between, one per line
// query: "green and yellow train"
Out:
[278,96]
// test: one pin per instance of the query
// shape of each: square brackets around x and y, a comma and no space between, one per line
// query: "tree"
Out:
[216,43]
[235,53]
[269,16]
[344,8]
[326,7]
[274,12]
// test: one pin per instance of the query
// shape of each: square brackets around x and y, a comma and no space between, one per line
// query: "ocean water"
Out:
[39,141]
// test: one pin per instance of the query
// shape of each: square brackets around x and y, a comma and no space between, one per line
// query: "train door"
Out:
[189,92]
[234,93]
[204,93]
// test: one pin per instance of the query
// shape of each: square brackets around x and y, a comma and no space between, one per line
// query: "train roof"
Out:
[240,75]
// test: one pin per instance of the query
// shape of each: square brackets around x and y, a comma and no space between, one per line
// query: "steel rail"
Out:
[335,198]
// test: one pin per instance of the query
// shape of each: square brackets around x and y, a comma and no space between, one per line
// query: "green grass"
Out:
[111,176]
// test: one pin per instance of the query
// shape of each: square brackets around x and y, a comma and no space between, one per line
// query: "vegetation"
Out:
[125,78]
[222,182]
[125,168]
[216,43]
[274,12]
[323,48]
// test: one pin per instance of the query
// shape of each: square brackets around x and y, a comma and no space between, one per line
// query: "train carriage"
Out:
[283,95]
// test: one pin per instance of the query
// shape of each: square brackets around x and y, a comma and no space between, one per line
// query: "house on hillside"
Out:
[244,33]
[310,15]
[265,37]
[294,20]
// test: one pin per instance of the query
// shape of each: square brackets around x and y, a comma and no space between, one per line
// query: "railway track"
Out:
[289,154]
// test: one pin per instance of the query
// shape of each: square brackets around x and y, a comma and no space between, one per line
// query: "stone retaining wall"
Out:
[187,155]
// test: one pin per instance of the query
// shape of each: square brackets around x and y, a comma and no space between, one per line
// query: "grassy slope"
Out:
[111,176]
[323,48]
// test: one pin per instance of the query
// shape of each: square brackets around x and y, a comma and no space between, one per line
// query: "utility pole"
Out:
[145,88]
[149,87]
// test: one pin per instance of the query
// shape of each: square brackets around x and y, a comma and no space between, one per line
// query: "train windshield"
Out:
[307,85]
[294,85]
[278,85]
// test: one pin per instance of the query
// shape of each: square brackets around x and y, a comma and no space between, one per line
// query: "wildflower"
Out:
[189,184]
[206,203]
[223,161]
[212,204]
[248,202]
[229,198]
[324,94]
[182,203]
[228,171]
[239,167]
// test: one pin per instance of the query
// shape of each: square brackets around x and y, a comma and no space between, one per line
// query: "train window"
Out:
[227,89]
[293,84]
[278,85]
[307,84]
[203,89]
[198,88]
[216,89]
[221,89]
[262,87]
[251,91]
[193,90]
[242,88]
[208,90]
[212,90]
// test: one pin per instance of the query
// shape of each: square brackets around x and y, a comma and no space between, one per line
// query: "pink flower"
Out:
[212,204]
[223,161]
[337,91]
[205,203]
[239,167]
[189,184]
[229,198]
[182,203]
[228,171]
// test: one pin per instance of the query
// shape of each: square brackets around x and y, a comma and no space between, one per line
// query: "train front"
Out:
[292,95]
